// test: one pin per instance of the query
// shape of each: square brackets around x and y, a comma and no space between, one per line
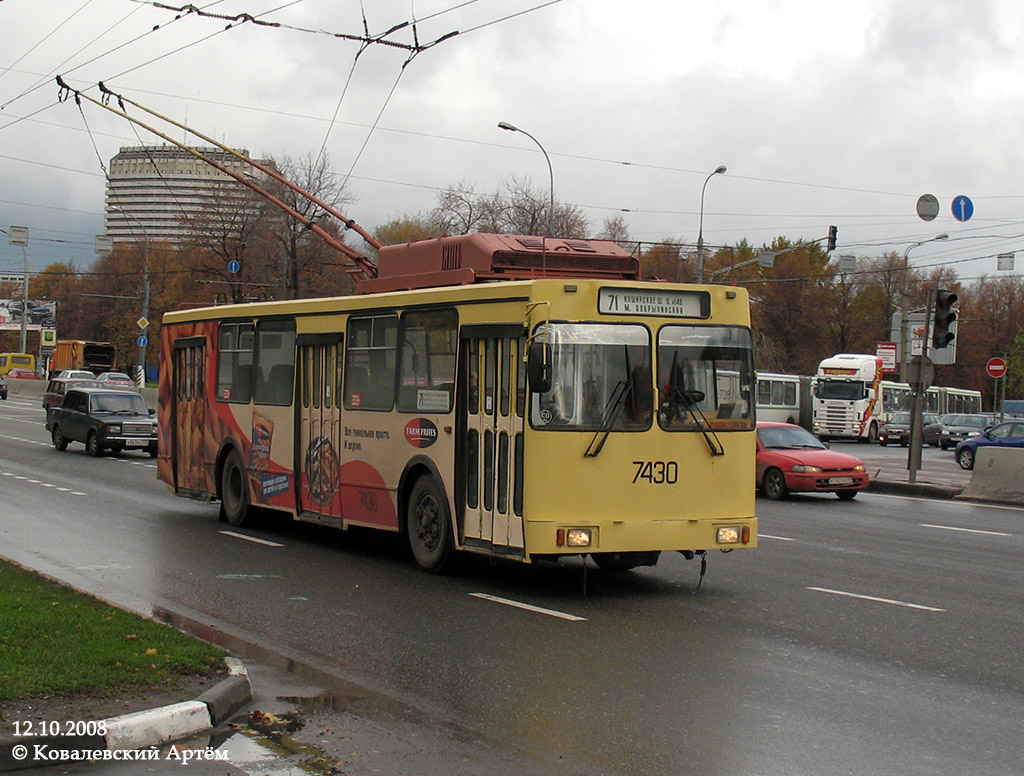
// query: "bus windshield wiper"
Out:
[689,400]
[611,414]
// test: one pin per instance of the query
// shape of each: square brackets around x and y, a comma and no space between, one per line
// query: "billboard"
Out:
[40,314]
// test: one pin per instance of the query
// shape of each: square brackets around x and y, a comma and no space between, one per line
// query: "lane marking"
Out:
[965,530]
[252,539]
[528,607]
[946,501]
[779,538]
[43,484]
[106,567]
[249,576]
[876,599]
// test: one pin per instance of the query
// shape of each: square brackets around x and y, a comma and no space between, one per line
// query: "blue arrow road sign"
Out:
[963,208]
[142,341]
[234,266]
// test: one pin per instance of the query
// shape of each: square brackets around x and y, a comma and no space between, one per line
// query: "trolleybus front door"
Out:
[188,417]
[490,454]
[319,427]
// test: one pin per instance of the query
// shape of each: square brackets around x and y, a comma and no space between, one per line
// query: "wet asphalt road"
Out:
[882,635]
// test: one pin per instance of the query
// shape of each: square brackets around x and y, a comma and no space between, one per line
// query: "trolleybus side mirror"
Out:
[538,367]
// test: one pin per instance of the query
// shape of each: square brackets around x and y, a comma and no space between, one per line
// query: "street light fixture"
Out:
[905,305]
[145,293]
[551,173]
[700,230]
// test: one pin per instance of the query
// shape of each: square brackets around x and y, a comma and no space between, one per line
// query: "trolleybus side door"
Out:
[489,457]
[318,427]
[188,419]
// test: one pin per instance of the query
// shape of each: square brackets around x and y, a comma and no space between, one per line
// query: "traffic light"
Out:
[944,317]
[832,232]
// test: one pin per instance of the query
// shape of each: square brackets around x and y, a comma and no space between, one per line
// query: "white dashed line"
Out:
[528,607]
[965,530]
[251,539]
[876,599]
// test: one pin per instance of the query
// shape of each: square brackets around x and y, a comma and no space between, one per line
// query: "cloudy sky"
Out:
[824,113]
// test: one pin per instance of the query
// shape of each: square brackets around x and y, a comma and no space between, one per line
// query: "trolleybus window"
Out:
[275,362]
[705,374]
[234,362]
[600,374]
[370,363]
[429,343]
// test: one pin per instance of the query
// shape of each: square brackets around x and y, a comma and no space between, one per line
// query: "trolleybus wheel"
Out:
[234,491]
[774,485]
[428,527]
[59,441]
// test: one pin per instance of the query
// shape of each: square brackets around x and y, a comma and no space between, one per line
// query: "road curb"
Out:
[137,730]
[920,489]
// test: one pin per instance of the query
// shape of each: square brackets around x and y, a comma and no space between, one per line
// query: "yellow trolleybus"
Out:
[528,419]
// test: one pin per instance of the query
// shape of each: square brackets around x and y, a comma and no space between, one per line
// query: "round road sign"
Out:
[962,208]
[996,367]
[927,207]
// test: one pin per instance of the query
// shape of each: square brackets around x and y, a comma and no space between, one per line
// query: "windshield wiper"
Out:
[611,413]
[689,400]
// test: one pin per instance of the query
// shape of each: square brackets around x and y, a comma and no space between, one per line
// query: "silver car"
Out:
[961,427]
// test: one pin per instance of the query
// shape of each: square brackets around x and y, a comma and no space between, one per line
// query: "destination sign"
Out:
[646,301]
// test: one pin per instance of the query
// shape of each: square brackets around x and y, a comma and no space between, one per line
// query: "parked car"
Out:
[84,374]
[20,373]
[897,430]
[790,459]
[3,387]
[1008,434]
[58,386]
[118,379]
[933,431]
[961,427]
[102,419]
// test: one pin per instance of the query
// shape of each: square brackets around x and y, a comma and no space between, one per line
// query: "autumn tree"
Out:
[407,229]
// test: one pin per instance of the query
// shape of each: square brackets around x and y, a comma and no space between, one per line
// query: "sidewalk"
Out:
[935,479]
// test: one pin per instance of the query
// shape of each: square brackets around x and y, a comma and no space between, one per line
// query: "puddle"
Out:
[278,757]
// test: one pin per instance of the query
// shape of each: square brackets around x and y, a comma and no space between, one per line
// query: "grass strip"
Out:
[57,641]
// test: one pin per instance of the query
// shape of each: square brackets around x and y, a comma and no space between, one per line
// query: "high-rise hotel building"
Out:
[154,192]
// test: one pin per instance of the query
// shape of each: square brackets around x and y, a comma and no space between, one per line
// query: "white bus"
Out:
[784,398]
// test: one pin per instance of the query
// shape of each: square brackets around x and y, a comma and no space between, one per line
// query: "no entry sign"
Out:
[996,367]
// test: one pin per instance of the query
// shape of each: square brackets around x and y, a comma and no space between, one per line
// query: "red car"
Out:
[790,459]
[20,373]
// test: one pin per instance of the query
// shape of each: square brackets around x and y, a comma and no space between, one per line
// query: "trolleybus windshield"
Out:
[592,366]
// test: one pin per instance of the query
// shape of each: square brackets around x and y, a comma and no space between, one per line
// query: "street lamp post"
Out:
[551,173]
[905,306]
[700,228]
[145,294]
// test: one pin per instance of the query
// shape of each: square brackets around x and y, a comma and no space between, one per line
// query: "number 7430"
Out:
[656,472]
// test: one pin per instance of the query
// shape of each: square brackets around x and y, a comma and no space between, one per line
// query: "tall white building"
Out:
[154,191]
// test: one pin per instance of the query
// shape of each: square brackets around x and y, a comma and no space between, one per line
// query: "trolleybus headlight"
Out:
[578,537]
[728,534]
[802,468]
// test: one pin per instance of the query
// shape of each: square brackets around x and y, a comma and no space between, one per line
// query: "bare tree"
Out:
[302,251]
[517,208]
